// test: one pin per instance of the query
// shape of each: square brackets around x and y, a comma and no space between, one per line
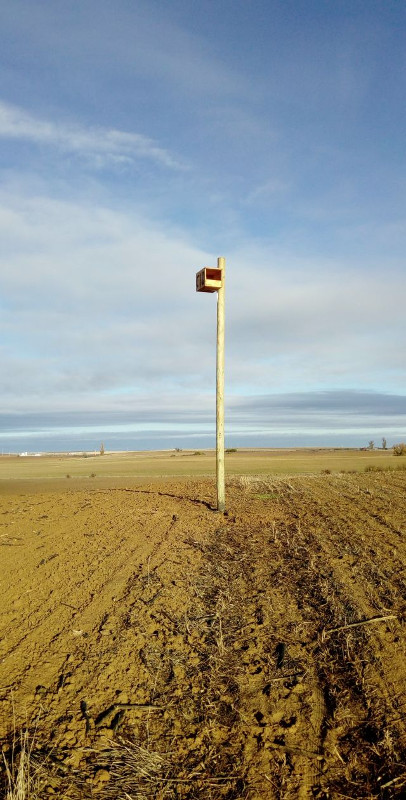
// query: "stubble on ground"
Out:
[163,650]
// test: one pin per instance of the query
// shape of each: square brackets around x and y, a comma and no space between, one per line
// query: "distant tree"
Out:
[102,451]
[399,449]
[384,444]
[371,445]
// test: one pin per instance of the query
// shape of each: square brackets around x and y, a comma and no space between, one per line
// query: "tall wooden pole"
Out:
[221,501]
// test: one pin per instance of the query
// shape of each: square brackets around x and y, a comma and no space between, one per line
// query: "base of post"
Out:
[221,508]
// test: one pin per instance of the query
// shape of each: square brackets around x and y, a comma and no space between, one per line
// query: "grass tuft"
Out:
[21,775]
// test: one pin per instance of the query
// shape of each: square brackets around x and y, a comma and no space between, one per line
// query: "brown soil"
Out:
[162,650]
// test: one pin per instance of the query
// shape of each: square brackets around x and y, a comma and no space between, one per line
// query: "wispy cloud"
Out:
[275,187]
[100,145]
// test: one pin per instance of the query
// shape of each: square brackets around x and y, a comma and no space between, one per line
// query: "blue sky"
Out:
[141,140]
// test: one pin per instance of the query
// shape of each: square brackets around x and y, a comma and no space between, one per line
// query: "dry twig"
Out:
[362,622]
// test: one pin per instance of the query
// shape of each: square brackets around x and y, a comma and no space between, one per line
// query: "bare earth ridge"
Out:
[162,650]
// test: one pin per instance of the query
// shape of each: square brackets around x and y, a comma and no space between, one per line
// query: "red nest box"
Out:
[209,279]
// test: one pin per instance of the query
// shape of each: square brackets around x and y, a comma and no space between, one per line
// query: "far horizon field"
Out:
[77,470]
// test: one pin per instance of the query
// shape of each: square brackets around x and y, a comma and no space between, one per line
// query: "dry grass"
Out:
[21,773]
[132,772]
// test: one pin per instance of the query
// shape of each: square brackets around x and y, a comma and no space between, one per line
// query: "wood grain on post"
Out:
[221,503]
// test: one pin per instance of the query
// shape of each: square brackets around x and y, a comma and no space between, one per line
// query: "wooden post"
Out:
[212,280]
[221,502]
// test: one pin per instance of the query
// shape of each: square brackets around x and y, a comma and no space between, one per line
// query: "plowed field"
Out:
[152,648]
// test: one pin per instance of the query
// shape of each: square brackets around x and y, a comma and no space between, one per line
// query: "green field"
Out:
[127,467]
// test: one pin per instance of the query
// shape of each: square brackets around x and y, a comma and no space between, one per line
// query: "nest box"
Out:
[208,279]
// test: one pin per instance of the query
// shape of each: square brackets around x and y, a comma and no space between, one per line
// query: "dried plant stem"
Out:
[395,780]
[363,622]
[287,677]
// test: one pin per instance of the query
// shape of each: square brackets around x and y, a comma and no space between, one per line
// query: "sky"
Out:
[141,140]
